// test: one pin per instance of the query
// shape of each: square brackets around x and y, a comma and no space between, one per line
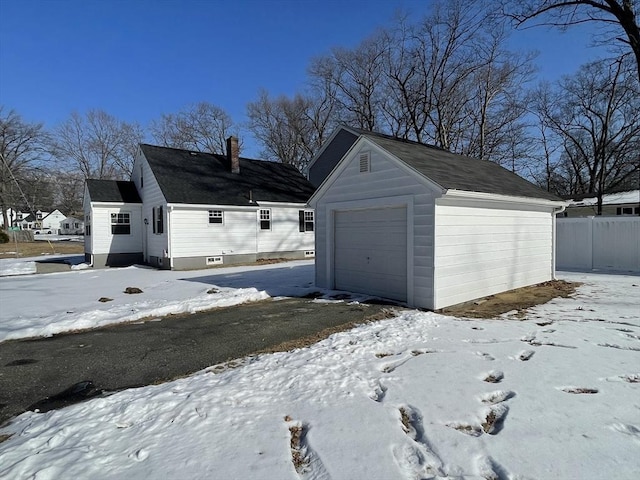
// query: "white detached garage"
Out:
[414,223]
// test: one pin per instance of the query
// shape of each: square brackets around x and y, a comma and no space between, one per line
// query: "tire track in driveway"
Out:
[137,354]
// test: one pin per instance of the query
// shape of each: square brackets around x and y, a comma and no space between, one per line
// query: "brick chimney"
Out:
[233,154]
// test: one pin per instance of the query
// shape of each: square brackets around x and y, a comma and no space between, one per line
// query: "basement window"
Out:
[216,216]
[365,162]
[265,219]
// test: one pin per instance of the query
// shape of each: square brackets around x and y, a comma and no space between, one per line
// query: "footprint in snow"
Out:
[627,429]
[417,458]
[493,417]
[305,460]
[140,455]
[489,469]
[579,390]
[525,355]
[497,396]
[378,393]
[485,355]
[630,378]
[494,376]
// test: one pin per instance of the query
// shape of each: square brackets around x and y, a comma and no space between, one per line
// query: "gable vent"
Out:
[365,162]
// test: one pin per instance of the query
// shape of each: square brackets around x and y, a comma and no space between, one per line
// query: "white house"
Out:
[414,223]
[50,222]
[71,226]
[613,204]
[187,210]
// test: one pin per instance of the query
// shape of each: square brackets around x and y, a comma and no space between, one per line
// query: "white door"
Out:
[370,252]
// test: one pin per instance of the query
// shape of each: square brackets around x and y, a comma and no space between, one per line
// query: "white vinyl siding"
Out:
[285,234]
[482,251]
[103,241]
[192,236]
[156,245]
[386,184]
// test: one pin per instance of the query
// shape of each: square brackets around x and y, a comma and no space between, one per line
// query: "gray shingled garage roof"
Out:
[457,172]
[204,178]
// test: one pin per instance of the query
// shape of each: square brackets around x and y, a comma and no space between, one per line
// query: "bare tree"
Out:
[595,116]
[290,130]
[97,145]
[620,16]
[201,127]
[67,192]
[21,148]
[353,79]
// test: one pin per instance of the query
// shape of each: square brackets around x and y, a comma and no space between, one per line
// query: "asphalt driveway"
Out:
[33,372]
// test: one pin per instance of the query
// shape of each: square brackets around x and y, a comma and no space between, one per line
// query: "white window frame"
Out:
[117,216]
[157,215]
[307,221]
[264,215]
[215,214]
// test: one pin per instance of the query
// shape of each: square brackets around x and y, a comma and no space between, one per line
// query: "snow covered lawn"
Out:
[556,396]
[43,305]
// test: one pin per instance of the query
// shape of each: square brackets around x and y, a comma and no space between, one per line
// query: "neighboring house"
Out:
[71,226]
[26,221]
[51,223]
[414,223]
[613,204]
[189,210]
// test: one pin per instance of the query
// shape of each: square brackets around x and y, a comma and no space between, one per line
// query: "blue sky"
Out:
[137,59]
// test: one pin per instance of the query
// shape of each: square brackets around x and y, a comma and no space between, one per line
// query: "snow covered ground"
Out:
[554,396]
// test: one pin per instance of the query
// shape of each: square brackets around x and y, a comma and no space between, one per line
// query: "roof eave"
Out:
[495,197]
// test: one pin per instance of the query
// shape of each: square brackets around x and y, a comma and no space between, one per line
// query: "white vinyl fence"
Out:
[598,243]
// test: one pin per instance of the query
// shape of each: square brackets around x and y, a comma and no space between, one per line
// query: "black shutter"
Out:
[301,220]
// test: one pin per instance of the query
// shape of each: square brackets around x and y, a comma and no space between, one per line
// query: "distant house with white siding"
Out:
[50,222]
[188,210]
[613,204]
[415,223]
[71,226]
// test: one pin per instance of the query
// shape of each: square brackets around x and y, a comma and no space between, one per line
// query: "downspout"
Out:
[168,231]
[553,232]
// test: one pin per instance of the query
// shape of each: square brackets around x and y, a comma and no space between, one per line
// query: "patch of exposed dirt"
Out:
[519,299]
[39,248]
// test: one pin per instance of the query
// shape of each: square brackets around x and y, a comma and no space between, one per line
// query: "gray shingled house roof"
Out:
[117,191]
[449,170]
[203,178]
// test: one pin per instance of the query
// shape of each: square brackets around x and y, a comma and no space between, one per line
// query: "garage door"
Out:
[370,252]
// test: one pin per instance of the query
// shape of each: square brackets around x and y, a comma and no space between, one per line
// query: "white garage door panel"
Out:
[370,252]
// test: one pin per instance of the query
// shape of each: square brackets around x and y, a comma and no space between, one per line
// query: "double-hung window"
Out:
[121,223]
[158,220]
[306,220]
[265,219]
[216,216]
